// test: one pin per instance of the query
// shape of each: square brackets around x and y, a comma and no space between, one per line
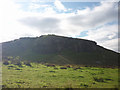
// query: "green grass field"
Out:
[41,76]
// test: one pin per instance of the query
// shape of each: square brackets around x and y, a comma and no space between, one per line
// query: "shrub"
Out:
[52,71]
[18,63]
[27,64]
[98,79]
[68,66]
[63,68]
[55,68]
[18,69]
[15,62]
[6,63]
[77,68]
[50,65]
[83,84]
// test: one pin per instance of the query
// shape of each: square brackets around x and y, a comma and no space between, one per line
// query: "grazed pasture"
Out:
[34,75]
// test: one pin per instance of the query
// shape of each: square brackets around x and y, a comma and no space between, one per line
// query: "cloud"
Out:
[42,24]
[111,44]
[71,24]
[37,6]
[59,5]
[106,36]
[10,28]
[99,15]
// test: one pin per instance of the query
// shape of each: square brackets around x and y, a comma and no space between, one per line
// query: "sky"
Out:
[97,21]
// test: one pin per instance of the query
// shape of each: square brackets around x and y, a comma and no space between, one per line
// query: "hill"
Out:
[59,50]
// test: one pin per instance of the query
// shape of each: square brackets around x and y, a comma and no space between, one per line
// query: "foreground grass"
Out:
[41,76]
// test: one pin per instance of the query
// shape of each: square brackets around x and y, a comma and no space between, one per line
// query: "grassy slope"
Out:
[59,50]
[40,76]
[73,58]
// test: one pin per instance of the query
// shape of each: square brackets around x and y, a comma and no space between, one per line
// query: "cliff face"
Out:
[56,44]
[58,49]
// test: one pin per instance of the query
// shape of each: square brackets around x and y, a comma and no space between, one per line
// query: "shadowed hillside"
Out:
[59,50]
